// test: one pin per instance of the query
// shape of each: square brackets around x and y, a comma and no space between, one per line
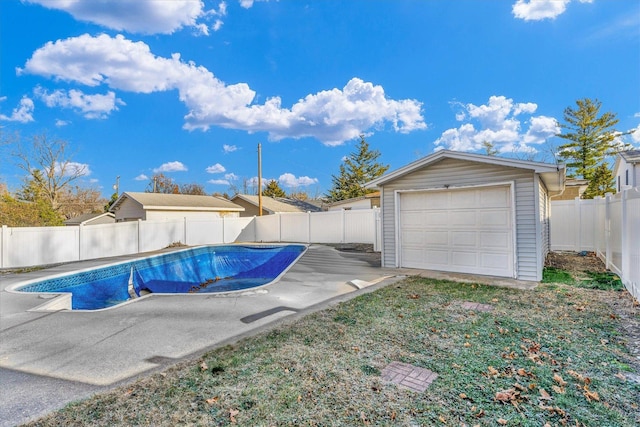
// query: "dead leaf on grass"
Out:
[203,366]
[212,400]
[557,378]
[544,395]
[493,371]
[506,395]
[591,395]
[502,421]
[232,415]
[559,390]
[620,376]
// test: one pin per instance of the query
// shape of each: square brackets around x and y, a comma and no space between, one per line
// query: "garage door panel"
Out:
[499,218]
[435,238]
[494,260]
[495,197]
[464,218]
[464,238]
[495,239]
[434,219]
[464,259]
[468,231]
[463,199]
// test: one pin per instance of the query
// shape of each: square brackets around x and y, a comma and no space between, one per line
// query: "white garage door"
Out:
[467,230]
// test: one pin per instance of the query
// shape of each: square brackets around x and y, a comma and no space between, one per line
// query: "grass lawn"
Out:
[552,356]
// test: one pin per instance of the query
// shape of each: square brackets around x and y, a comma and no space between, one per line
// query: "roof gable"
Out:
[553,175]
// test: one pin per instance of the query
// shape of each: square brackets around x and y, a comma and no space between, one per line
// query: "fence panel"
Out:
[156,235]
[562,225]
[203,231]
[105,240]
[234,228]
[26,246]
[614,257]
[326,227]
[361,226]
[294,227]
[267,228]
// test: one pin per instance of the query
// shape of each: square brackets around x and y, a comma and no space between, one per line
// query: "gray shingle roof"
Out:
[178,202]
[279,204]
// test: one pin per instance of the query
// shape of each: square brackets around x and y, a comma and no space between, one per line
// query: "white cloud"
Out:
[231,176]
[141,177]
[536,10]
[331,116]
[498,122]
[171,167]
[290,180]
[23,113]
[135,16]
[218,181]
[61,123]
[90,106]
[635,136]
[217,168]
[229,148]
[72,168]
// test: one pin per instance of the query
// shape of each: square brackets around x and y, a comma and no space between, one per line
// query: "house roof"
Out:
[371,195]
[278,204]
[85,218]
[631,156]
[177,202]
[553,175]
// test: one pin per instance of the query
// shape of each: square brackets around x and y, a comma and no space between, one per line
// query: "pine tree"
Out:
[591,138]
[273,189]
[601,182]
[358,168]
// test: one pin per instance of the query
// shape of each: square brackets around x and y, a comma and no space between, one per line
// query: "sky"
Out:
[189,88]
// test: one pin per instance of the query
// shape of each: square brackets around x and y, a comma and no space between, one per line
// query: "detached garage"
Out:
[469,213]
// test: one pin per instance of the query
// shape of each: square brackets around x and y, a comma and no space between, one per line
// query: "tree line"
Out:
[49,193]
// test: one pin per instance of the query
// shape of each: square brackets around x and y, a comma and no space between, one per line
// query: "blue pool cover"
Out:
[200,270]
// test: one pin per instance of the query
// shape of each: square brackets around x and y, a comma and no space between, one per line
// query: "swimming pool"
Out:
[206,269]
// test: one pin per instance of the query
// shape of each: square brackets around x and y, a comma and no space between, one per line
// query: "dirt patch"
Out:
[575,262]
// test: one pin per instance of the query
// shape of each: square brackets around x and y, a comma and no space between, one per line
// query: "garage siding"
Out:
[459,173]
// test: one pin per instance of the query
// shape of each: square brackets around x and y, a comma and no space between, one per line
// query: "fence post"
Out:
[223,227]
[184,230]
[625,243]
[308,226]
[80,231]
[4,236]
[577,214]
[607,229]
[344,233]
[139,233]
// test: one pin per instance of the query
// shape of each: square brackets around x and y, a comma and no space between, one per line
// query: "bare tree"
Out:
[46,162]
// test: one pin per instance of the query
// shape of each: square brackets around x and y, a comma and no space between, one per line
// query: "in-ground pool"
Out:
[205,269]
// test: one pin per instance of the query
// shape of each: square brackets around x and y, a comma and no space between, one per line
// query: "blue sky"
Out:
[189,88]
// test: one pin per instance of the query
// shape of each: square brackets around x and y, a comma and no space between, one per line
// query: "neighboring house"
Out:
[572,188]
[158,206]
[627,170]
[92,219]
[271,205]
[368,201]
[468,213]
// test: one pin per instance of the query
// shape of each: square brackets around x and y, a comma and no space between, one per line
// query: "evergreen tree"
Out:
[602,182]
[273,189]
[358,168]
[591,138]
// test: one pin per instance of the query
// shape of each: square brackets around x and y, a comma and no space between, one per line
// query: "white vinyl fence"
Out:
[608,226]
[29,246]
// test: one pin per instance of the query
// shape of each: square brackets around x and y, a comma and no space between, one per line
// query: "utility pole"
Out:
[117,186]
[259,179]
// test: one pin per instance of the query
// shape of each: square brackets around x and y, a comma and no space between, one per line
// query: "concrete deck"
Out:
[48,359]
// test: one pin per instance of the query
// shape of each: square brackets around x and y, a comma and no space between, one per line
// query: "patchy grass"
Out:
[604,281]
[549,356]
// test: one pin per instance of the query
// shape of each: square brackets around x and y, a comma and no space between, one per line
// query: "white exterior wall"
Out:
[160,215]
[627,176]
[460,173]
[129,211]
[543,215]
[357,204]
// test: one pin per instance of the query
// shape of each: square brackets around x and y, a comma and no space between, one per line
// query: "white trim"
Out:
[514,236]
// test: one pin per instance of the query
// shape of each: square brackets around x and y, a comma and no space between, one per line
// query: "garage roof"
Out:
[552,175]
[177,202]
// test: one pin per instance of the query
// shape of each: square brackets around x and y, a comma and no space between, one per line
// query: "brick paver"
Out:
[408,376]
